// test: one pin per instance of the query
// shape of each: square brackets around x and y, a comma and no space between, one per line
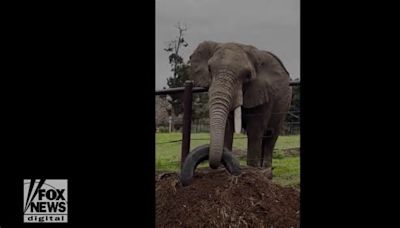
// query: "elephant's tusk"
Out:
[238,119]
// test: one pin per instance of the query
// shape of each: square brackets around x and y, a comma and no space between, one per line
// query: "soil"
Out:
[217,199]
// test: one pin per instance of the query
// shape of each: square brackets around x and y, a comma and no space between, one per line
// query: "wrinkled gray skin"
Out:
[242,76]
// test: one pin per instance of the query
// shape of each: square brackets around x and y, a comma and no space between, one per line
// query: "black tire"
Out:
[200,154]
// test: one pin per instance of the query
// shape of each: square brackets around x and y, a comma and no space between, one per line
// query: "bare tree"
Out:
[174,46]
[178,66]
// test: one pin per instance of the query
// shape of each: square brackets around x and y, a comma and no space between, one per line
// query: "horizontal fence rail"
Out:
[180,90]
[197,89]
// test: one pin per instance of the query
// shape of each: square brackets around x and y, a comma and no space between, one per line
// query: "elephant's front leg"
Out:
[268,145]
[254,143]
[229,129]
[268,148]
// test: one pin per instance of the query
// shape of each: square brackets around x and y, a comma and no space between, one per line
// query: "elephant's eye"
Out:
[248,76]
[209,69]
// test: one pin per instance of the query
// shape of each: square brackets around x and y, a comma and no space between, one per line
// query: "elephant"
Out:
[248,89]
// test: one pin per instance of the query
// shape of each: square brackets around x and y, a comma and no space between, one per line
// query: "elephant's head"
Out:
[236,75]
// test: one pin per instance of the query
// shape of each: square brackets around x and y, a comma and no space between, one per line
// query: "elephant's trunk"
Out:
[220,103]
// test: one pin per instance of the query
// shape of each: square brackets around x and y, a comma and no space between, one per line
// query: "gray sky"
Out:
[272,25]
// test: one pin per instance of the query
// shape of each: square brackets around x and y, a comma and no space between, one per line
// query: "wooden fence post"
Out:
[187,120]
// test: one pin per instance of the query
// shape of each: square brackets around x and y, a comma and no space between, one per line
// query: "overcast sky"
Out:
[272,25]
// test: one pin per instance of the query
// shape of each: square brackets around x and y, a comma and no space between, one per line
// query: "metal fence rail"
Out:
[180,90]
[197,89]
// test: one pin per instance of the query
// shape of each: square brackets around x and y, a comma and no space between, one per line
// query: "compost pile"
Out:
[217,199]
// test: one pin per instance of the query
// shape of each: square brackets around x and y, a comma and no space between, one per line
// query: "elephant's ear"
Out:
[255,92]
[268,67]
[198,71]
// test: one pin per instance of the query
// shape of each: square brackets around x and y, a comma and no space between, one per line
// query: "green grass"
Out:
[286,168]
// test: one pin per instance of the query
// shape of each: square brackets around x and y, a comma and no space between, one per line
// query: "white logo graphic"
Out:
[45,201]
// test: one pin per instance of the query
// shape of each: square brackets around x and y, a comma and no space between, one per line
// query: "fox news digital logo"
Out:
[45,201]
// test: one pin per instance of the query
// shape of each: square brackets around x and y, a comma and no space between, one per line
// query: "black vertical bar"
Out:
[187,120]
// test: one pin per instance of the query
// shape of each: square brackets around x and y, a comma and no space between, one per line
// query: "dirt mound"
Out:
[217,199]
